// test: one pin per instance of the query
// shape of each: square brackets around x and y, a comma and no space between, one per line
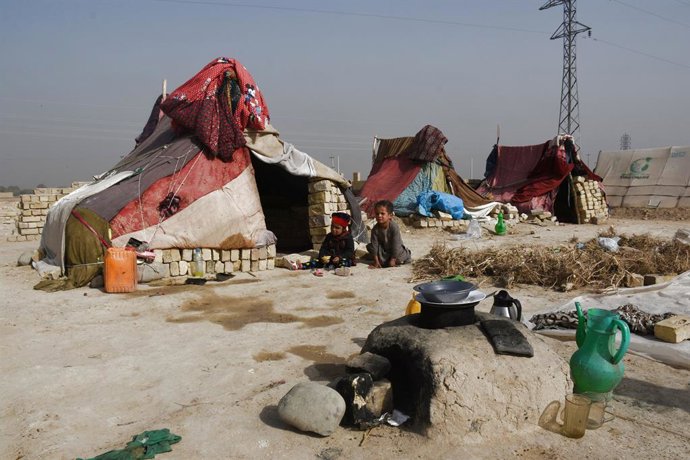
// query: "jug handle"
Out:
[581,325]
[625,339]
[519,309]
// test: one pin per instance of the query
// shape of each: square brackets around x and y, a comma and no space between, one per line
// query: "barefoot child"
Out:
[386,245]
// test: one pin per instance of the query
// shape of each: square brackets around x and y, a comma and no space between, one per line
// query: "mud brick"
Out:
[319,186]
[319,221]
[317,209]
[319,197]
[167,256]
[674,329]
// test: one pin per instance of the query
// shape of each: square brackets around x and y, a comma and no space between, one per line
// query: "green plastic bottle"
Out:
[500,225]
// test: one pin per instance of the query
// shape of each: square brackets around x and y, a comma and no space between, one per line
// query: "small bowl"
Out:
[445,291]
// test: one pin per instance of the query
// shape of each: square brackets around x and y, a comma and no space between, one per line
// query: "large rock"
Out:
[310,406]
[452,383]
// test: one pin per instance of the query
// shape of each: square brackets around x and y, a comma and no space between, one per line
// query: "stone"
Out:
[354,390]
[184,267]
[187,254]
[313,407]
[633,280]
[25,258]
[653,279]
[152,271]
[97,282]
[452,384]
[376,365]
[380,398]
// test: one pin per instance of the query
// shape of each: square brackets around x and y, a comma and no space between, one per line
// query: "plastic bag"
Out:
[474,230]
[610,244]
[432,200]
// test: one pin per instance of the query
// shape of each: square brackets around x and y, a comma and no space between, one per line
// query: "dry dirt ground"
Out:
[83,371]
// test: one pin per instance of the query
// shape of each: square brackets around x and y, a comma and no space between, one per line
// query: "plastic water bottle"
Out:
[474,230]
[198,264]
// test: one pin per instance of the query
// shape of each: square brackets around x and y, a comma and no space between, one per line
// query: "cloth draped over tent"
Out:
[216,105]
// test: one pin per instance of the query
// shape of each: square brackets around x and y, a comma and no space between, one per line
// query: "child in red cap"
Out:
[338,249]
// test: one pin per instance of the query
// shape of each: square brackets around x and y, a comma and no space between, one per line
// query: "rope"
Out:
[170,186]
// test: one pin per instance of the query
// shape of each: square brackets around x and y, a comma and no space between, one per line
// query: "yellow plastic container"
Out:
[120,270]
[413,306]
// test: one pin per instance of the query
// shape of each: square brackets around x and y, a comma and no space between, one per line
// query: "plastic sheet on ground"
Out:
[673,296]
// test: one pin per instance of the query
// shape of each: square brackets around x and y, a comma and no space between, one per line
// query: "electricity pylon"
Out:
[569,117]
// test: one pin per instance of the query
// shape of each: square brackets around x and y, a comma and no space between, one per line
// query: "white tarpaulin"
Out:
[673,297]
[658,177]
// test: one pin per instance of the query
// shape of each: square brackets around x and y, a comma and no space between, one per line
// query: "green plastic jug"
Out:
[597,367]
[500,227]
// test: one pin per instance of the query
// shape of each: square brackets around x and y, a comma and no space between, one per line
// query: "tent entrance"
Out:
[284,199]
[564,207]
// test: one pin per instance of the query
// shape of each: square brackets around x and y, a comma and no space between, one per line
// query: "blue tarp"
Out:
[406,203]
[445,202]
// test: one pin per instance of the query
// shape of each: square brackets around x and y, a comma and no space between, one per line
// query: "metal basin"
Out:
[445,291]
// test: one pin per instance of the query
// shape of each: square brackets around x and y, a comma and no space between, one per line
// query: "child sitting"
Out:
[338,249]
[386,245]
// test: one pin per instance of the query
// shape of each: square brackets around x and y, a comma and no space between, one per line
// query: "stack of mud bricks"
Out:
[431,222]
[34,209]
[590,202]
[325,198]
[177,262]
[509,211]
[9,210]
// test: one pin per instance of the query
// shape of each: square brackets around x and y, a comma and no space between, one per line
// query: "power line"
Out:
[351,13]
[651,13]
[641,53]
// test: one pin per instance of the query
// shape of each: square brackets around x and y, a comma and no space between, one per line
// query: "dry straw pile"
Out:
[569,266]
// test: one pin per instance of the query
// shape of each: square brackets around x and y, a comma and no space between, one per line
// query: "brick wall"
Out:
[33,210]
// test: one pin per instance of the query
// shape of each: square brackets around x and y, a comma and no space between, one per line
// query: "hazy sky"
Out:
[78,77]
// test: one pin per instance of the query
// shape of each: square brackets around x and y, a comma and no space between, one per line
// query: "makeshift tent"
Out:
[405,167]
[535,177]
[208,171]
[657,178]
